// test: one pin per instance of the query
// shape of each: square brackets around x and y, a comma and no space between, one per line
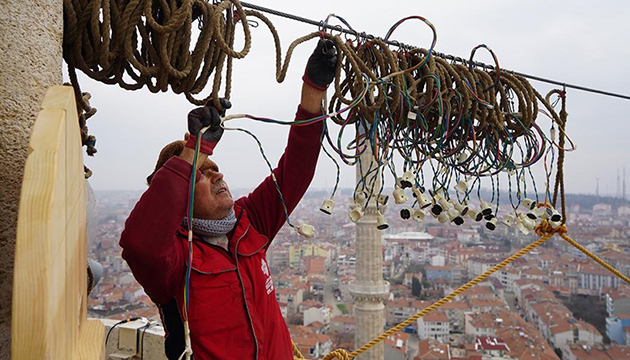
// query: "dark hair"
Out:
[173,149]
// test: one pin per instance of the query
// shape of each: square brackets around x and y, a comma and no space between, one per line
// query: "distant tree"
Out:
[416,287]
[425,284]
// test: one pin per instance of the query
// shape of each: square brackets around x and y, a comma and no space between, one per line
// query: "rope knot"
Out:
[545,228]
[340,354]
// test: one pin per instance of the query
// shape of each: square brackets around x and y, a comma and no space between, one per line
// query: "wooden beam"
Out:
[50,276]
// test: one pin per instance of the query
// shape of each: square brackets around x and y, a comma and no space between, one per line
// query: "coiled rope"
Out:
[149,43]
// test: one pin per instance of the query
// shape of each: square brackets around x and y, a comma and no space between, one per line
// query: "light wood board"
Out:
[50,277]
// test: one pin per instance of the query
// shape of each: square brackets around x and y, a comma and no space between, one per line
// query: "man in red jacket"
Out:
[233,312]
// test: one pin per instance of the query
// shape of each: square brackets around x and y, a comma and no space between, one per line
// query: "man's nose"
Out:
[216,177]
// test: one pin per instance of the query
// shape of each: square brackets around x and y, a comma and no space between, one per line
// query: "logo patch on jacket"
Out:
[269,281]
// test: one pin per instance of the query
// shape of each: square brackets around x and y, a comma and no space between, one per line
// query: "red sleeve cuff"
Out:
[303,114]
[308,81]
[206,147]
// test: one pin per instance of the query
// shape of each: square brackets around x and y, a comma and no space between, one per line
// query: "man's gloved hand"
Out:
[321,66]
[202,117]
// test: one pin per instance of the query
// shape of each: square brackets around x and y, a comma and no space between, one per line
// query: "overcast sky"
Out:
[577,42]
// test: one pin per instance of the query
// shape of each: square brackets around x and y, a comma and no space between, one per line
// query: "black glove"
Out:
[202,117]
[321,66]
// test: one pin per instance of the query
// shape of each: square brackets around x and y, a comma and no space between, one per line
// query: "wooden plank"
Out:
[50,284]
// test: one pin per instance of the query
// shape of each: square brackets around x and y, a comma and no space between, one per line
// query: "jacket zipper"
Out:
[240,279]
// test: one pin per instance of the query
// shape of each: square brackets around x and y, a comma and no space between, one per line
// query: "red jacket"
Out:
[233,312]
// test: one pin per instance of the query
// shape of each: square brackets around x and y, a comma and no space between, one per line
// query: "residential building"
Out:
[439,273]
[434,325]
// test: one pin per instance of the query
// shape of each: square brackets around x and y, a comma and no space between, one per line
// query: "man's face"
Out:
[213,199]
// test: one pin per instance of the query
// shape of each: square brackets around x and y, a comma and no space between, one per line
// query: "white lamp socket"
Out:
[356,213]
[529,204]
[424,201]
[463,156]
[508,220]
[522,227]
[544,213]
[327,206]
[443,217]
[461,187]
[532,214]
[399,196]
[382,199]
[411,115]
[555,216]
[444,204]
[418,215]
[406,181]
[527,222]
[491,224]
[454,217]
[462,208]
[485,208]
[360,197]
[381,222]
[306,230]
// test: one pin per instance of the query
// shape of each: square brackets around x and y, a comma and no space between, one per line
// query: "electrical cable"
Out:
[118,323]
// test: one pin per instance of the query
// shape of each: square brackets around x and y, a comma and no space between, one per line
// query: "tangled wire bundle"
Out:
[474,121]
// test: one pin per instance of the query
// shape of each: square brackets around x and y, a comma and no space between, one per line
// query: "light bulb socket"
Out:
[424,201]
[444,203]
[461,187]
[555,216]
[508,220]
[544,213]
[443,218]
[406,181]
[399,196]
[462,208]
[360,197]
[418,215]
[327,206]
[306,230]
[356,213]
[486,209]
[521,226]
[405,213]
[381,221]
[492,224]
[529,204]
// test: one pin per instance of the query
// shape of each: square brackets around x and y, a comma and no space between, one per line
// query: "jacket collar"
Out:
[242,238]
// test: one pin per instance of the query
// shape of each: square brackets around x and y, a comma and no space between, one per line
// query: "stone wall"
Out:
[30,62]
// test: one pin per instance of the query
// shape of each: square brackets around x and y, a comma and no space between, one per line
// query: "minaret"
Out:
[623,188]
[618,185]
[597,188]
[369,290]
